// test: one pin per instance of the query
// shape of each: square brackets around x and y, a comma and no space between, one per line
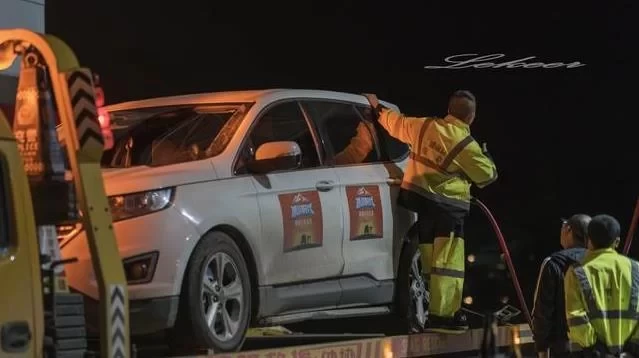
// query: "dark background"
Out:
[564,139]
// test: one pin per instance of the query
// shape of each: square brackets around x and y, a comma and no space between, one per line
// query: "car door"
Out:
[21,315]
[368,203]
[394,157]
[300,210]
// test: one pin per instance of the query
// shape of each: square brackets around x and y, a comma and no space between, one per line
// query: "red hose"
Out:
[633,228]
[507,258]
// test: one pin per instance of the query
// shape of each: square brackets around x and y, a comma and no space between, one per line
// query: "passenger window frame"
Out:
[383,147]
[328,147]
[235,166]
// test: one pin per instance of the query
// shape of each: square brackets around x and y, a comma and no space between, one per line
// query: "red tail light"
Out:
[103,115]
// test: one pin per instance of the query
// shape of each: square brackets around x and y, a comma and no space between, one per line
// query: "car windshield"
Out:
[169,135]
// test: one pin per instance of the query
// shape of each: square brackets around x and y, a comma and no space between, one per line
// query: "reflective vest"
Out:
[444,159]
[602,300]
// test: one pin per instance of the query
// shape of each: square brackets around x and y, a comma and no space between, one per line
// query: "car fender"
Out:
[207,206]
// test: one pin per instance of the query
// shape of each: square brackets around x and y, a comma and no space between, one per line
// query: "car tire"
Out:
[204,299]
[404,309]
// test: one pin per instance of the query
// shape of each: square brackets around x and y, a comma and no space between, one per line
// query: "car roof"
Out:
[269,95]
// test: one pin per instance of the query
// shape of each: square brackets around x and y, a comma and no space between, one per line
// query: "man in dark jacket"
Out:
[550,329]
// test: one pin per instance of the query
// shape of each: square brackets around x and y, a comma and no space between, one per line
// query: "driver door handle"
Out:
[393,181]
[324,185]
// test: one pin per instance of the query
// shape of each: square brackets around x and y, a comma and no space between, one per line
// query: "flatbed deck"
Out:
[516,339]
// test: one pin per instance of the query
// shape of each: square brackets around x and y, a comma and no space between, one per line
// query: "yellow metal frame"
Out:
[85,166]
[25,234]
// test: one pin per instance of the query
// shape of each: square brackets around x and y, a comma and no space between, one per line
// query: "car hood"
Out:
[119,181]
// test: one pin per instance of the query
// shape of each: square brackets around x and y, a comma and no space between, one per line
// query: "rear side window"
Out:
[392,149]
[348,138]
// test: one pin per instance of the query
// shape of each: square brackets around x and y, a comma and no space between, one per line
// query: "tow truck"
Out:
[50,178]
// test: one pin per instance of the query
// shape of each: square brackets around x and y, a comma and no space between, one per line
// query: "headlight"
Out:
[140,269]
[137,204]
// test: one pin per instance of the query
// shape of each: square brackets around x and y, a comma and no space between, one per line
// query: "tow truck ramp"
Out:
[513,338]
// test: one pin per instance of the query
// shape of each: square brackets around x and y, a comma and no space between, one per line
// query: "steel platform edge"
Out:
[418,345]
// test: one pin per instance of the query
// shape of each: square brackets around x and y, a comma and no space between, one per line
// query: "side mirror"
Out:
[273,156]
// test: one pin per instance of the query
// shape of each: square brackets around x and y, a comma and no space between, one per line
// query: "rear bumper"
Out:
[145,316]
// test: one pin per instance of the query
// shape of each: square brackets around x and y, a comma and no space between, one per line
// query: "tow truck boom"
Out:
[52,84]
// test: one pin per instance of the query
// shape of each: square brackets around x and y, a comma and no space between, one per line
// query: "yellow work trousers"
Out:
[443,264]
[426,254]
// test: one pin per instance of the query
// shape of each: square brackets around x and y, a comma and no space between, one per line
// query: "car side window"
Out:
[282,122]
[348,138]
[392,149]
[5,239]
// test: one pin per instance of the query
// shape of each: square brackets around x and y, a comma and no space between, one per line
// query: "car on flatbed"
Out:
[253,208]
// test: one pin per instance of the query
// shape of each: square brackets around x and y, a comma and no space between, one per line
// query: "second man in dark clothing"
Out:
[549,319]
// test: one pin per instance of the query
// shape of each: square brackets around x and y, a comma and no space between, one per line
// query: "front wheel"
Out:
[216,298]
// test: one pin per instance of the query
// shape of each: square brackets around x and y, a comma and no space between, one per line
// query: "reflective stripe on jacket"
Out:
[602,300]
[444,160]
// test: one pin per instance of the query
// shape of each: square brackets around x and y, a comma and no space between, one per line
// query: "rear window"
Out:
[170,135]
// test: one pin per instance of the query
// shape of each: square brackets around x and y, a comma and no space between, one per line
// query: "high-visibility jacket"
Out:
[602,300]
[444,160]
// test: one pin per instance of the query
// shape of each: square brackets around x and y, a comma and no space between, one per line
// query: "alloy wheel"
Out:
[222,295]
[419,294]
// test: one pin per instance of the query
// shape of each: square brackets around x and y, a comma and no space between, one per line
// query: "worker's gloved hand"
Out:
[374,102]
[372,99]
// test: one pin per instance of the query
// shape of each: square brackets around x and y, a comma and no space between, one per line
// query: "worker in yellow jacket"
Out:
[602,294]
[444,162]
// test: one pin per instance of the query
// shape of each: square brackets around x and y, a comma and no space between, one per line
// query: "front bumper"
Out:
[166,232]
[145,316]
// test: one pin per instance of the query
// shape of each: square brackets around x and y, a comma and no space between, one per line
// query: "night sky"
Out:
[564,140]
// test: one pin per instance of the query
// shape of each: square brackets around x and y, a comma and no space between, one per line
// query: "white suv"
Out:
[253,208]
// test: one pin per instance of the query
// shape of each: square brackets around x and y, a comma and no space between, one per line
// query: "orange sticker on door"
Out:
[365,211]
[302,220]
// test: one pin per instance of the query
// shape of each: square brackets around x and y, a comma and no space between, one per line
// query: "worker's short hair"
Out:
[603,231]
[462,104]
[578,224]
